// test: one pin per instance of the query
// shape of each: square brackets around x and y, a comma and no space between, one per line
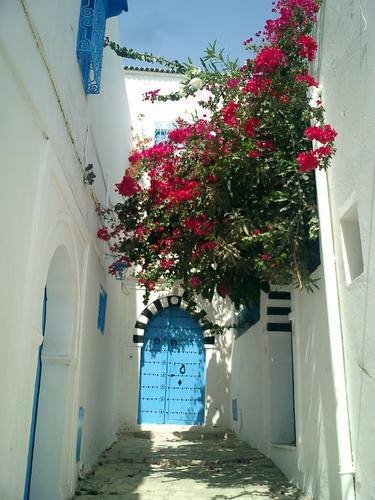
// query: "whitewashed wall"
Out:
[312,463]
[347,72]
[144,114]
[46,122]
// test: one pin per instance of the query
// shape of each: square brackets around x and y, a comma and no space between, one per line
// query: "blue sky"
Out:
[179,29]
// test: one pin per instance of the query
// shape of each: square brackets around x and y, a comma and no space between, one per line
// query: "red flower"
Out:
[195,281]
[250,126]
[254,154]
[257,85]
[103,234]
[256,232]
[201,226]
[211,178]
[229,114]
[308,47]
[232,83]
[269,60]
[166,263]
[180,135]
[322,134]
[307,79]
[323,151]
[307,161]
[150,285]
[265,257]
[266,144]
[223,290]
[128,186]
[151,95]
[135,157]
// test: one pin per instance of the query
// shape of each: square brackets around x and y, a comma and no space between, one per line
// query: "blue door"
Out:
[172,378]
[34,415]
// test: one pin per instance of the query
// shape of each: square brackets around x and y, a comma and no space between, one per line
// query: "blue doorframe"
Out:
[172,375]
[34,416]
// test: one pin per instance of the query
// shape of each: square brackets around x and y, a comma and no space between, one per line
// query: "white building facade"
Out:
[60,327]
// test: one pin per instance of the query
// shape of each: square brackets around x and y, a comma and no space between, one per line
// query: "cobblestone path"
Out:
[184,466]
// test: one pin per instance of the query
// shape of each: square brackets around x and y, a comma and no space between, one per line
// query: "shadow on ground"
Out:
[184,466]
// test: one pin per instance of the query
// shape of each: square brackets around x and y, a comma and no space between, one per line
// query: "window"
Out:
[161,131]
[90,43]
[352,245]
[102,309]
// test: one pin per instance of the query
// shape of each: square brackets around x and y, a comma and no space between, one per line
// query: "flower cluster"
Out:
[227,204]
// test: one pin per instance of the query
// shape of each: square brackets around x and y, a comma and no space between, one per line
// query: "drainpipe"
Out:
[346,467]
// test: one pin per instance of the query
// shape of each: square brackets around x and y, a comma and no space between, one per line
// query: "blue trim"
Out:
[234,410]
[34,415]
[116,7]
[90,39]
[102,309]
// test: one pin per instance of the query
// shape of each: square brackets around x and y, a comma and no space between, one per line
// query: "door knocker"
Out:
[182,369]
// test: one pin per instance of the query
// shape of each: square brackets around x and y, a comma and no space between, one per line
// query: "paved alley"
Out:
[184,466]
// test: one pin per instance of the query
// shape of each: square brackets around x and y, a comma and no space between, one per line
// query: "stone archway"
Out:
[53,395]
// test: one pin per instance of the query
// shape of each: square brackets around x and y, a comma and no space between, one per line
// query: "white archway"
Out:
[55,400]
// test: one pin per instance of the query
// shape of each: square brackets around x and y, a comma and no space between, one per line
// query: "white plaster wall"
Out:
[313,462]
[46,122]
[144,114]
[347,74]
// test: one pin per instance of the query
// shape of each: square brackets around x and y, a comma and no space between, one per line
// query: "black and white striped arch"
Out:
[162,303]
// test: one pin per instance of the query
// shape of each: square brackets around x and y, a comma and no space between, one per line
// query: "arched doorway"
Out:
[172,375]
[52,393]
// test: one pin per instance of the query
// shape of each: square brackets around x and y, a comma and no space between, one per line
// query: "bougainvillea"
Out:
[227,204]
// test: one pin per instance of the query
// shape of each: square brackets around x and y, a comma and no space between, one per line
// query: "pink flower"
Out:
[229,114]
[151,95]
[307,161]
[250,126]
[166,263]
[103,234]
[128,186]
[254,154]
[256,232]
[269,60]
[308,47]
[257,85]
[307,79]
[323,151]
[322,134]
[223,290]
[265,257]
[232,83]
[195,281]
[266,144]
[180,135]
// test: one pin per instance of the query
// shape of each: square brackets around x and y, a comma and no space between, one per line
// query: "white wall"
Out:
[347,74]
[144,114]
[312,463]
[45,205]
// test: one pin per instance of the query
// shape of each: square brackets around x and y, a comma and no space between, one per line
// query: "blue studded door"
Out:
[172,378]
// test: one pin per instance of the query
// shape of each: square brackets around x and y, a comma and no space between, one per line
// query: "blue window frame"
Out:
[90,42]
[234,410]
[161,131]
[102,309]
